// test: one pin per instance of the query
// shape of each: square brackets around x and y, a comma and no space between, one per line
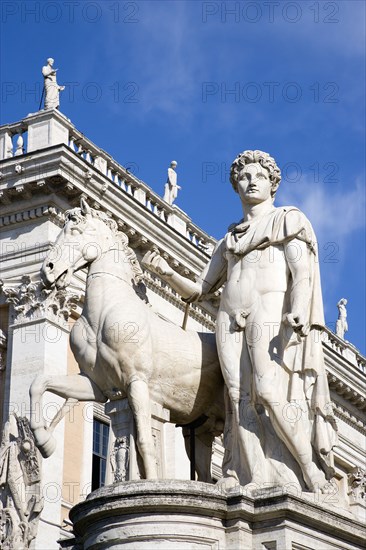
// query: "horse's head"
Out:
[85,237]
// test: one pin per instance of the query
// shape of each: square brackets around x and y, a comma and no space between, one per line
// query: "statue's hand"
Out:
[156,263]
[298,322]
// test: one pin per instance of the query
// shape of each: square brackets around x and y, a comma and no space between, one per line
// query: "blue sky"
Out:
[199,82]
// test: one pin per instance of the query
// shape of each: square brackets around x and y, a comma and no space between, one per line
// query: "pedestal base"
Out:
[188,515]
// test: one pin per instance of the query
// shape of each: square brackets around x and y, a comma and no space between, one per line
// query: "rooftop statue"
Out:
[342,325]
[171,187]
[279,425]
[51,88]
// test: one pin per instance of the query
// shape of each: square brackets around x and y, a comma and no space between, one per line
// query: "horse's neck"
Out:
[109,278]
[112,262]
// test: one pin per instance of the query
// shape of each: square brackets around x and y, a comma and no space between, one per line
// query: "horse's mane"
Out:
[122,237]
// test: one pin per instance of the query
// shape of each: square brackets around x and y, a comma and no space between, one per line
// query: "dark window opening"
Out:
[100,451]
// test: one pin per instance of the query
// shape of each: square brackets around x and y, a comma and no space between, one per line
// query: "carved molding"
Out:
[349,418]
[348,393]
[343,348]
[32,300]
[32,213]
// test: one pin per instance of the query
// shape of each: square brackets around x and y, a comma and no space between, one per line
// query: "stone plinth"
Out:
[188,515]
[47,128]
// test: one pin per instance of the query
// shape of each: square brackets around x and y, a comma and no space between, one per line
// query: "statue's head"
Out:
[174,164]
[251,157]
[50,61]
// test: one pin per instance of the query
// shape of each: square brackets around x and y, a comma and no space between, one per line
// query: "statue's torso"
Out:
[252,277]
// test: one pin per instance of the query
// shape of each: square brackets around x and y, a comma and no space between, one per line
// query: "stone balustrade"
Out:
[48,128]
[344,348]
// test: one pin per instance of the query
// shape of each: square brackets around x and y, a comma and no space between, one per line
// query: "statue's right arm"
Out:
[189,290]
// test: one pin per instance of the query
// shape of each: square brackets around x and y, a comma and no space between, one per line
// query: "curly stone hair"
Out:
[264,159]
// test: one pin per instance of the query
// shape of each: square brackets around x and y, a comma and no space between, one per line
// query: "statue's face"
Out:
[254,185]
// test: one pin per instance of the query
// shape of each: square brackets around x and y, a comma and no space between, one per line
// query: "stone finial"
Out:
[342,325]
[171,186]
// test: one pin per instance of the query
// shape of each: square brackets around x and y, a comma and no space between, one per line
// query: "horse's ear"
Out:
[85,208]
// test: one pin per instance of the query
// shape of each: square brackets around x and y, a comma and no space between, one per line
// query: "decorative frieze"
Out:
[345,390]
[32,213]
[345,415]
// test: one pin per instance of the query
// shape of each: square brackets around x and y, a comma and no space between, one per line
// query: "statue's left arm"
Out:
[297,256]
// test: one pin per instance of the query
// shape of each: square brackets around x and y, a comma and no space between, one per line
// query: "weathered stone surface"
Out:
[191,515]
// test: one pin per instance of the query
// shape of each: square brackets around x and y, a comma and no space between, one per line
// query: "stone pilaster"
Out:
[37,343]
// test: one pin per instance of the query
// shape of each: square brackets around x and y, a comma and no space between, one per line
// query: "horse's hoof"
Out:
[45,442]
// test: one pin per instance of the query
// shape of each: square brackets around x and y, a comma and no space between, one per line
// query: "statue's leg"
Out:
[139,400]
[77,387]
[244,458]
[271,383]
[204,438]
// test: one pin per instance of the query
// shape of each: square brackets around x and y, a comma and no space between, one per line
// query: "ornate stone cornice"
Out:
[50,211]
[346,391]
[344,349]
[32,300]
[351,419]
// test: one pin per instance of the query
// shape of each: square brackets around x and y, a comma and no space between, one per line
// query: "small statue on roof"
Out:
[171,187]
[342,325]
[51,89]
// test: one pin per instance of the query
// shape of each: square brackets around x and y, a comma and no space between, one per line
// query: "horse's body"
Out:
[123,349]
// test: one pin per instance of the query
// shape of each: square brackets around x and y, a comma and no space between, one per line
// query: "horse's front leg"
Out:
[76,387]
[139,400]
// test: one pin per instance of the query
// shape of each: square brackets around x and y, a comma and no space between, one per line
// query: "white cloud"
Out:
[334,215]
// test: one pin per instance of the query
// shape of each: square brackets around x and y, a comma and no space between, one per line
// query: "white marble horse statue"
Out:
[122,347]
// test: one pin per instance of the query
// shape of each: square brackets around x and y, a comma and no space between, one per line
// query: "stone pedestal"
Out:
[178,219]
[125,462]
[188,515]
[47,128]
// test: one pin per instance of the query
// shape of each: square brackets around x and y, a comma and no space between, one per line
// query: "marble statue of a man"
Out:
[171,186]
[51,88]
[342,325]
[279,423]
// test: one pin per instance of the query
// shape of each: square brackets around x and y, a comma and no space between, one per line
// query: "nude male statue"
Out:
[52,89]
[279,422]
